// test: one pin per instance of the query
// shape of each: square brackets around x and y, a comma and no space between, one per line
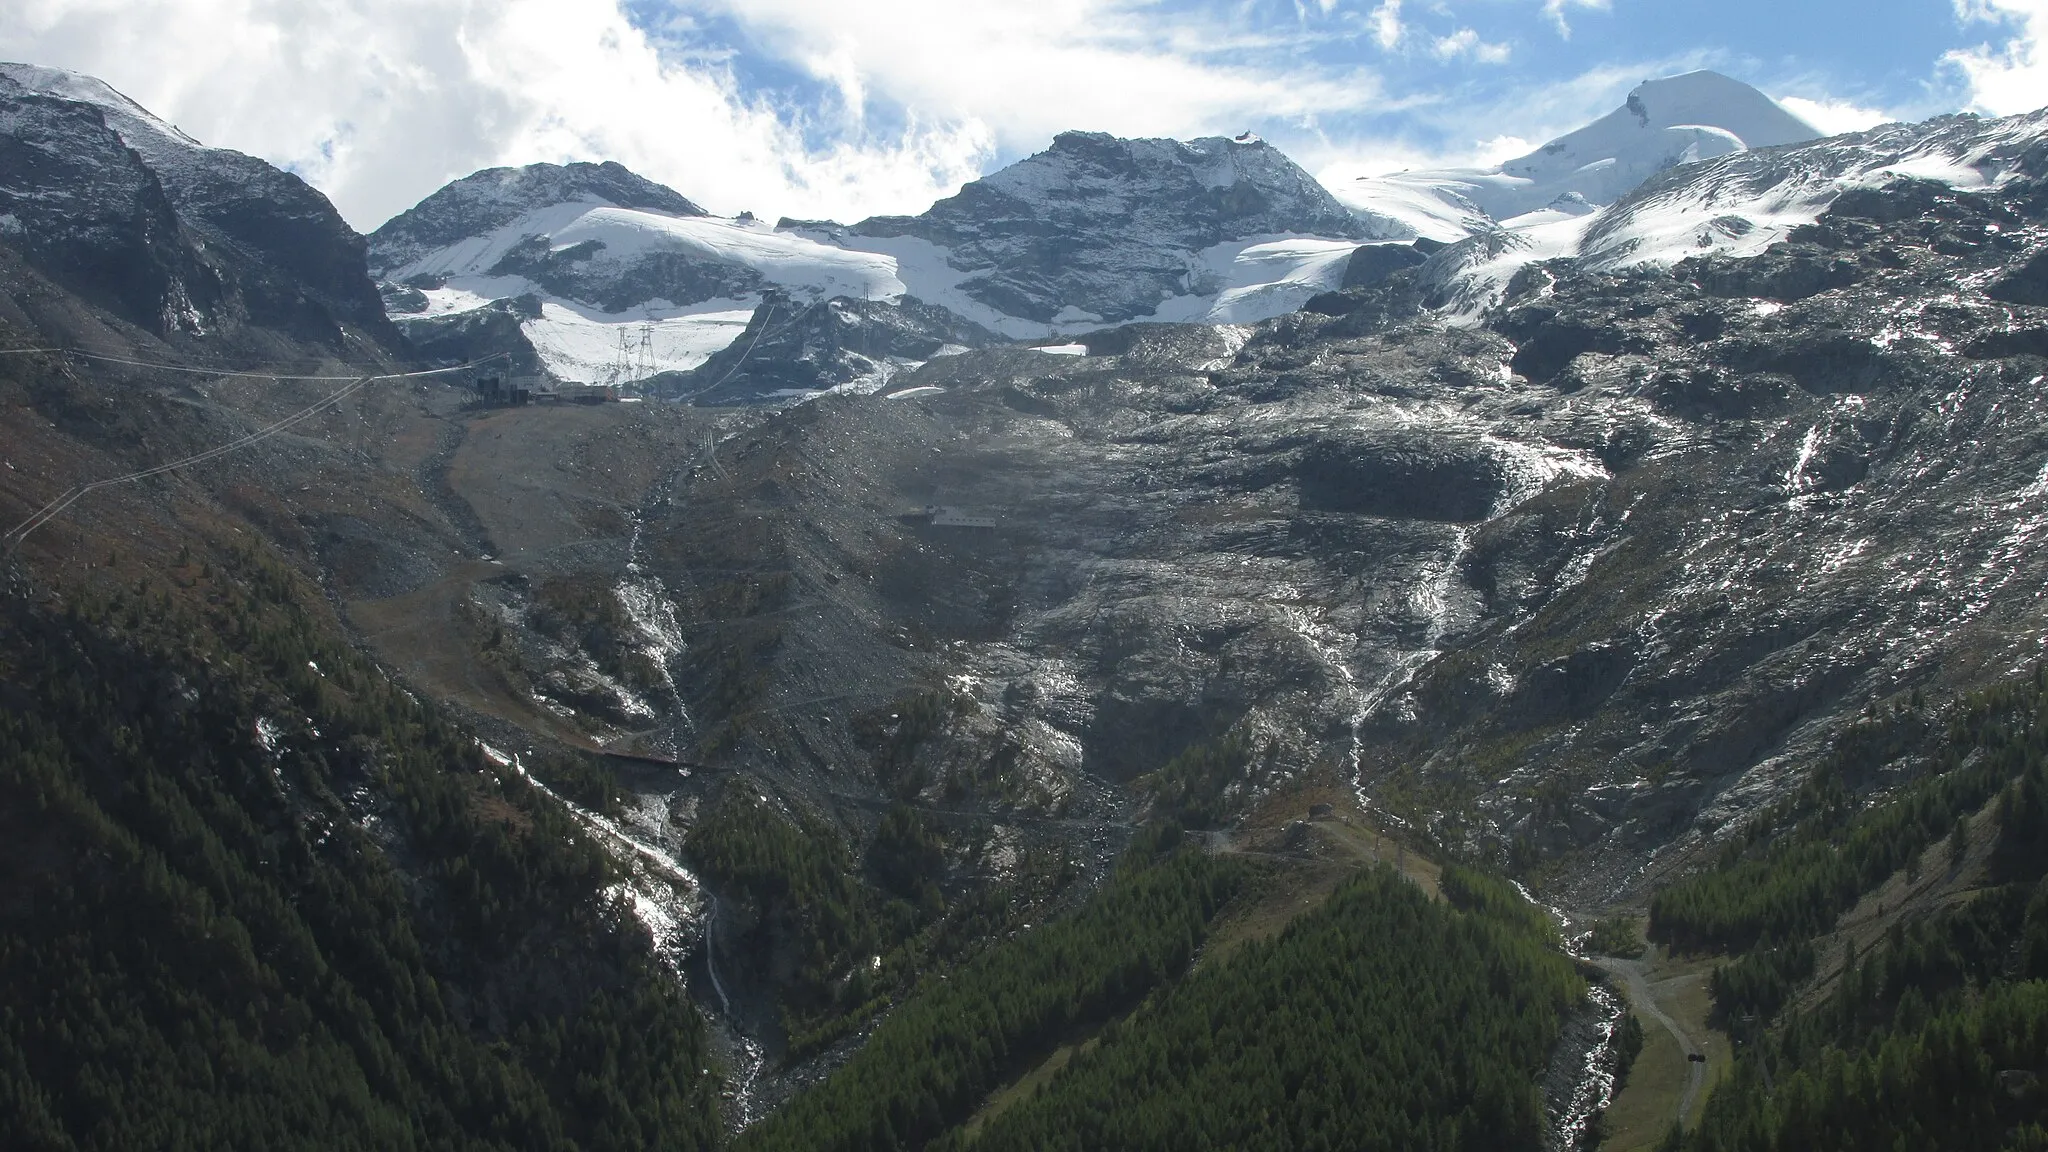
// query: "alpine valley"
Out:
[1149,652]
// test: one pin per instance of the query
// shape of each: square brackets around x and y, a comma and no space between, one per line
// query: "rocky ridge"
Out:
[1741,204]
[496,196]
[1663,124]
[177,238]
[1098,229]
[1093,231]
[790,350]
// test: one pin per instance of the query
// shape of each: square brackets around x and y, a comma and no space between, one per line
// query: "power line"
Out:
[70,496]
[784,327]
[743,356]
[268,375]
[105,359]
[199,370]
[711,435]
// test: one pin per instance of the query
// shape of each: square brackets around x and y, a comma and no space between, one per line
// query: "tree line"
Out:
[1804,862]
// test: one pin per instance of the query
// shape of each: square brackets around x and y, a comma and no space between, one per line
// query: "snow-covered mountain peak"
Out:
[494,197]
[1193,192]
[1739,205]
[1094,230]
[1661,125]
[1097,229]
[134,123]
[1702,110]
[1121,175]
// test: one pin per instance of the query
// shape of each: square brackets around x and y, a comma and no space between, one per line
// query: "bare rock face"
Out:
[478,334]
[1374,263]
[790,349]
[121,245]
[1598,575]
[2027,284]
[1402,474]
[176,237]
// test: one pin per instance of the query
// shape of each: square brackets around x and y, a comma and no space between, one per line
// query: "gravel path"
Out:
[1631,972]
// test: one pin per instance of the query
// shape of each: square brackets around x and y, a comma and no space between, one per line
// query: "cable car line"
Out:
[70,496]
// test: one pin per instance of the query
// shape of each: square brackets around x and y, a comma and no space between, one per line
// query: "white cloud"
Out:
[1386,24]
[1499,149]
[1456,44]
[378,102]
[2012,77]
[1032,70]
[1466,42]
[1555,10]
[1833,117]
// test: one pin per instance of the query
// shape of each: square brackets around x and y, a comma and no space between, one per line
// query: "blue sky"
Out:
[1449,61]
[1349,85]
[847,108]
[1439,78]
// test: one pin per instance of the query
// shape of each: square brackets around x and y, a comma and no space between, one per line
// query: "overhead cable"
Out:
[70,496]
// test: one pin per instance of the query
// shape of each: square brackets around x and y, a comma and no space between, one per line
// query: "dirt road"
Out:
[1631,973]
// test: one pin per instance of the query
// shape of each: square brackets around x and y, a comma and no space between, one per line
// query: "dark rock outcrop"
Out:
[1406,475]
[91,216]
[479,334]
[2026,284]
[1372,263]
[175,237]
[791,349]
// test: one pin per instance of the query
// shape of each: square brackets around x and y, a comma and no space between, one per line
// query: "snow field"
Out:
[579,343]
[1240,281]
[1258,279]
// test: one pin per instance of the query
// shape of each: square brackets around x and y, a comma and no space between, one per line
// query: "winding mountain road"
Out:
[1631,973]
